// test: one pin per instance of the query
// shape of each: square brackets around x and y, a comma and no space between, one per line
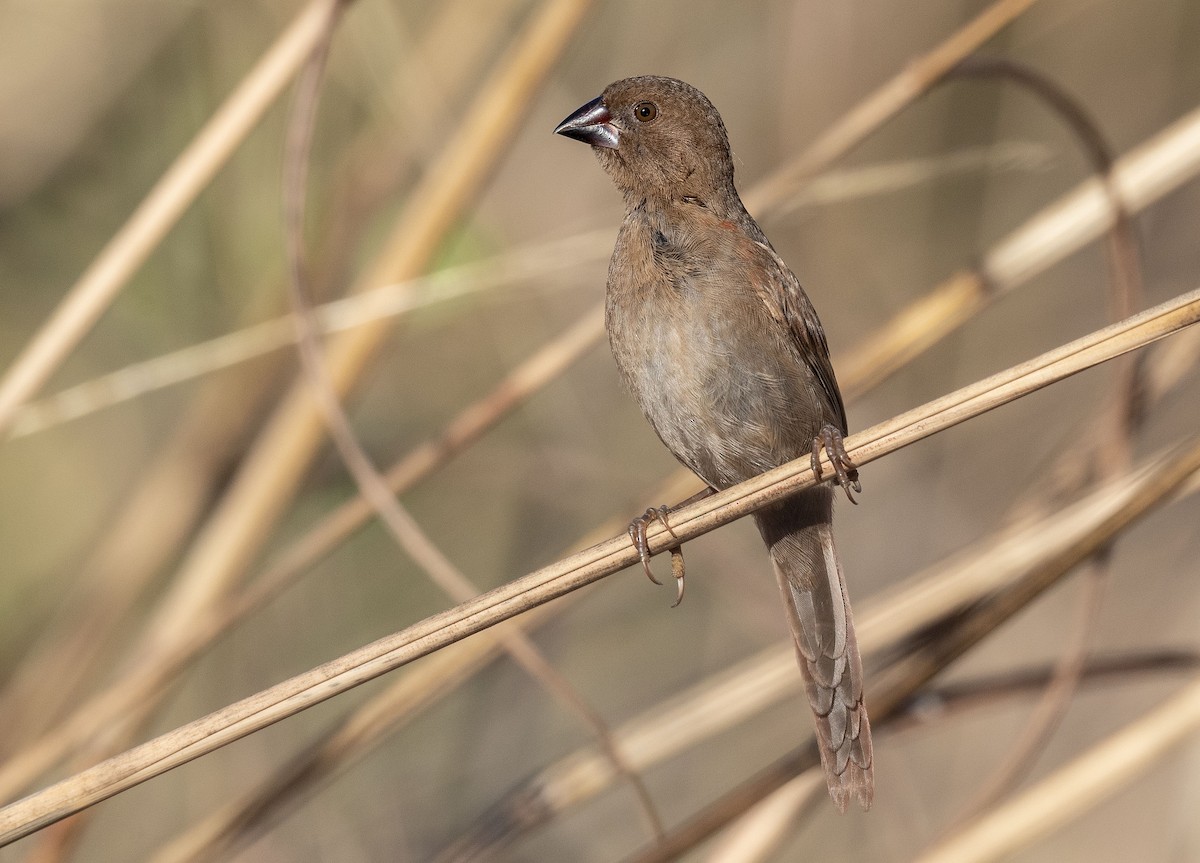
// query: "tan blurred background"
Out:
[98,98]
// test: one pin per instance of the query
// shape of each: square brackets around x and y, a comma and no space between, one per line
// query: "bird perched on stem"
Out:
[725,355]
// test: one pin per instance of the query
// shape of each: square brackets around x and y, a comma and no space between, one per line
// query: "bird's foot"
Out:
[845,473]
[637,533]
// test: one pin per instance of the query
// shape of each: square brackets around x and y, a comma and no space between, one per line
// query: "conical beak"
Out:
[591,124]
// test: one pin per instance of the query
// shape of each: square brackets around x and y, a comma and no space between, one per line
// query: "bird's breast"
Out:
[713,373]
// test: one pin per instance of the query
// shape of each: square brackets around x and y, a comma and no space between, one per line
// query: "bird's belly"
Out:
[723,397]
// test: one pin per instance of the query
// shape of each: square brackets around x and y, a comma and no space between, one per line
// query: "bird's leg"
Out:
[637,533]
[845,473]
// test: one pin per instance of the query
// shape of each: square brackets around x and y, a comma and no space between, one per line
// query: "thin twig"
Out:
[883,104]
[165,506]
[505,270]
[158,213]
[421,686]
[269,706]
[405,529]
[760,832]
[1078,786]
[886,623]
[1112,447]
[984,691]
[139,688]
[895,687]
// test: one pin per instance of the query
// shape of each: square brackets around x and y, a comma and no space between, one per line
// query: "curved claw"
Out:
[845,473]
[637,533]
[677,571]
[660,513]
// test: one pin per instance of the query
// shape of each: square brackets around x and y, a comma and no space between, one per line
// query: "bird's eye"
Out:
[645,111]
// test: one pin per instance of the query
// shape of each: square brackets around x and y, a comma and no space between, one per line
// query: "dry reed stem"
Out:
[885,623]
[273,467]
[169,499]
[1142,176]
[276,461]
[28,374]
[1145,173]
[138,690]
[159,211]
[1073,789]
[357,734]
[366,663]
[760,832]
[509,269]
[1162,480]
[984,691]
[883,104]
[405,530]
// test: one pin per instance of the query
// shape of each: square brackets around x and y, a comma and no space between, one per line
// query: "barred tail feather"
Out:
[799,535]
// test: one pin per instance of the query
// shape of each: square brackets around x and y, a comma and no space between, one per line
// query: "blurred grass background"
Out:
[98,98]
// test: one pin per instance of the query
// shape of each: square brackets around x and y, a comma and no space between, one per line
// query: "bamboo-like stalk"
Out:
[161,209]
[423,685]
[166,504]
[276,461]
[959,44]
[885,622]
[884,103]
[852,129]
[1151,169]
[760,831]
[1073,789]
[269,706]
[540,261]
[1168,159]
[1158,482]
[405,530]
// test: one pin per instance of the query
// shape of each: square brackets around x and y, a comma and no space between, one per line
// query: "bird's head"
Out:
[657,138]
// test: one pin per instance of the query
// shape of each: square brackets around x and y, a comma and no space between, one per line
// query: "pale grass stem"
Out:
[269,706]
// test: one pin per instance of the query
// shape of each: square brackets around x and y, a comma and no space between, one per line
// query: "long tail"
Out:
[799,535]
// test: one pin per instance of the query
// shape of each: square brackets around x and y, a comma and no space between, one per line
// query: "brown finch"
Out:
[724,352]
